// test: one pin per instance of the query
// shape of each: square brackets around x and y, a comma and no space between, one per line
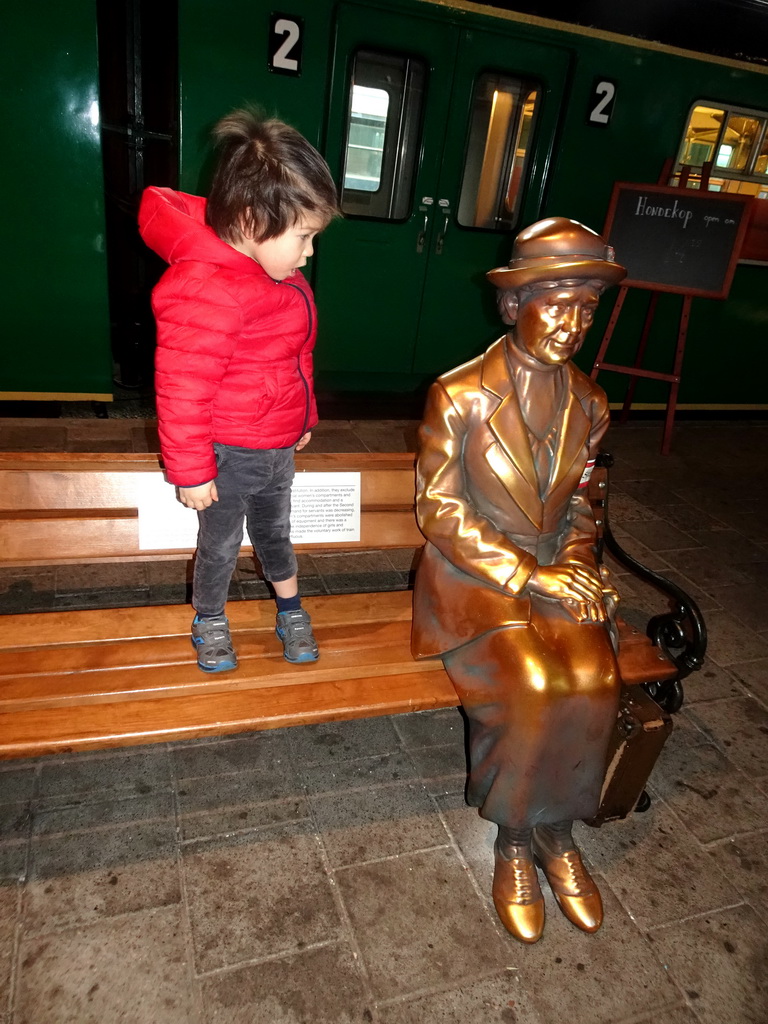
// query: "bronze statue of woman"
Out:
[508,591]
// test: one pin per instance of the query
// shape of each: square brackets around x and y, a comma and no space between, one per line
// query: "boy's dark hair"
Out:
[266,177]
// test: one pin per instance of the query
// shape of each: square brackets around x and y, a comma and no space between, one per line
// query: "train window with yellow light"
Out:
[730,144]
[381,147]
[501,127]
[725,149]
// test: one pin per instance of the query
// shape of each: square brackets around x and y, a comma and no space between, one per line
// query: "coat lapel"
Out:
[572,438]
[510,456]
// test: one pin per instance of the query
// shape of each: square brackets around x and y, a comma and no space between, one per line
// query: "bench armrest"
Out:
[681,633]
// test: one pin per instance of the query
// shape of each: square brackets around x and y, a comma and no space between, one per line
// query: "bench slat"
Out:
[644,663]
[387,654]
[48,540]
[54,481]
[122,671]
[40,629]
[51,540]
[45,499]
[90,727]
[62,661]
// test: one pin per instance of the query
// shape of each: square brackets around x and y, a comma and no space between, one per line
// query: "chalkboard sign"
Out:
[676,239]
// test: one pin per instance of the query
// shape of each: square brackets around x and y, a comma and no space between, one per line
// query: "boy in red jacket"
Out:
[236,325]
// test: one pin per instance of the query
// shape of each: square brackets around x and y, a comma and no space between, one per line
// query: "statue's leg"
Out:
[516,892]
[574,888]
[541,702]
[591,666]
[541,706]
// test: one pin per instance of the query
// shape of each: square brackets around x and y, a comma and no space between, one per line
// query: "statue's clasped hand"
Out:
[579,589]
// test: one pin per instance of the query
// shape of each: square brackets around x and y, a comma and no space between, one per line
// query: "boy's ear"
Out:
[508,306]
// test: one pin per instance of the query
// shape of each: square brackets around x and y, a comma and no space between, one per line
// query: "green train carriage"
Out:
[447,125]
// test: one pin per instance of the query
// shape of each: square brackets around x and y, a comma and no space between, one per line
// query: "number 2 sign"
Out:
[285,43]
[601,102]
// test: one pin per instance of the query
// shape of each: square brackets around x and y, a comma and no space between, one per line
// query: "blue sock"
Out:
[203,618]
[288,604]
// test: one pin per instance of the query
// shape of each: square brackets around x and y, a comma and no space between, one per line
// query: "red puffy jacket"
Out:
[234,348]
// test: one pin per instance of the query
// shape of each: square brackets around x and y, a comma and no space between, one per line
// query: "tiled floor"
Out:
[333,874]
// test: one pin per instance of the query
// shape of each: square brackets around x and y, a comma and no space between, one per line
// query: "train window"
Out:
[503,115]
[734,141]
[386,94]
[365,145]
[761,164]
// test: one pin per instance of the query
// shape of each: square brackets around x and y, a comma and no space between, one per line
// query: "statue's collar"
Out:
[499,362]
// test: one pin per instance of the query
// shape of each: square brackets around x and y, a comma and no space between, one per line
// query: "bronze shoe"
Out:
[516,893]
[574,888]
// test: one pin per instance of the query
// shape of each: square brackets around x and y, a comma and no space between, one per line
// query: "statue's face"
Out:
[553,322]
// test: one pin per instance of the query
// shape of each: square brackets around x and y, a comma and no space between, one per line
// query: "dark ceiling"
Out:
[730,28]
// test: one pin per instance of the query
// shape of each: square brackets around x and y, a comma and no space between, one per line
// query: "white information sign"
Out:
[325,507]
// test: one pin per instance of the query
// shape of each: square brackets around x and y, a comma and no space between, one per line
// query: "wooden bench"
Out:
[81,680]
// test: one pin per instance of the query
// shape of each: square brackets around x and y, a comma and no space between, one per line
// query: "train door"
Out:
[443,135]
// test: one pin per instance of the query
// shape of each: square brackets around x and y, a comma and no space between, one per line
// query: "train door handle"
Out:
[422,234]
[445,206]
[424,207]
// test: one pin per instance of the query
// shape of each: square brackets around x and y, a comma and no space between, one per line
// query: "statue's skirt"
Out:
[542,702]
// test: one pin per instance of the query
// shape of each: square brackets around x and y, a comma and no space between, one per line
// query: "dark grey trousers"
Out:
[253,485]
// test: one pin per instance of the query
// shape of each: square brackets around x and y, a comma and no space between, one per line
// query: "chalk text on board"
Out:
[675,211]
[711,219]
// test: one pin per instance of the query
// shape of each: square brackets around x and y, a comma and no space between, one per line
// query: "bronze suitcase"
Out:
[641,730]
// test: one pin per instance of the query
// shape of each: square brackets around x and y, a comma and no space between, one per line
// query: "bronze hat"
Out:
[557,248]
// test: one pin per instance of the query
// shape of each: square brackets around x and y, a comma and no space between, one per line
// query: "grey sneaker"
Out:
[295,630]
[213,644]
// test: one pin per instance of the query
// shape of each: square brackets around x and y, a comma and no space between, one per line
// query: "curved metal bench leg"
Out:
[669,695]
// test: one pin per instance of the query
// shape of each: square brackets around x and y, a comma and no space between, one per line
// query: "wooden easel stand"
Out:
[635,371]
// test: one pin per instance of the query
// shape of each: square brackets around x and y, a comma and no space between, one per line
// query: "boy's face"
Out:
[283,255]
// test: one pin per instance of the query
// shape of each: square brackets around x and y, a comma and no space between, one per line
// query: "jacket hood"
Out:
[173,225]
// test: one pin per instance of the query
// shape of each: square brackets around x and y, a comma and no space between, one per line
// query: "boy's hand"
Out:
[303,440]
[199,497]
